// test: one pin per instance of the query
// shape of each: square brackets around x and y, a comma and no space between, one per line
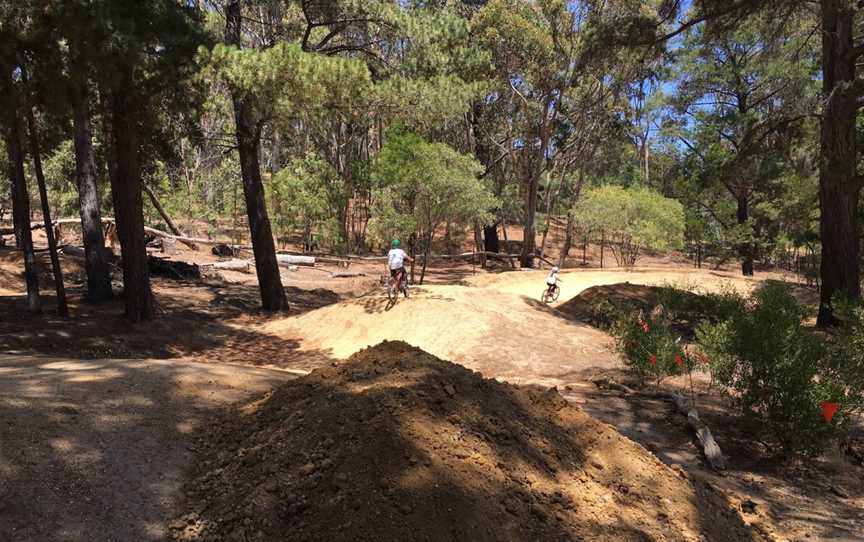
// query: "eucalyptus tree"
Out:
[553,82]
[742,97]
[838,22]
[13,20]
[146,52]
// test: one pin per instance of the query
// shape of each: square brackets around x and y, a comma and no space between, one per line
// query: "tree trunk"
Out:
[568,241]
[128,200]
[745,249]
[427,242]
[62,308]
[490,238]
[526,258]
[478,243]
[602,247]
[21,211]
[839,187]
[95,261]
[248,145]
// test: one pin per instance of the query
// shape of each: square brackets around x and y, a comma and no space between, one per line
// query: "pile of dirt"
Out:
[396,444]
[591,305]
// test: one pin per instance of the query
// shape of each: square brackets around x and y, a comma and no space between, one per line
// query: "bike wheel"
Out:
[392,292]
[545,297]
[555,294]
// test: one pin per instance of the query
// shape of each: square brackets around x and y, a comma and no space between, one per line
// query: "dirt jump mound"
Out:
[396,444]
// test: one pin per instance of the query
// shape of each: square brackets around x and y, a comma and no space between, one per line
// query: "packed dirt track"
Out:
[96,450]
[396,444]
[493,323]
[105,419]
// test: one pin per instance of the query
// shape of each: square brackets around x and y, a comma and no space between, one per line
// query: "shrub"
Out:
[778,370]
[648,344]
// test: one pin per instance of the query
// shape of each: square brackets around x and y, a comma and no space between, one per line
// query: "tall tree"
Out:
[21,204]
[839,183]
[741,95]
[556,80]
[72,20]
[36,153]
[144,54]
[248,128]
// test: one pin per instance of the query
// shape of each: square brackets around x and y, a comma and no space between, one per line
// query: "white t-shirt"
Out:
[395,258]
[552,278]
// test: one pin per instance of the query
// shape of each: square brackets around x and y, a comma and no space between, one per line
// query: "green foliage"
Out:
[301,196]
[59,170]
[283,78]
[429,182]
[779,371]
[634,219]
[648,345]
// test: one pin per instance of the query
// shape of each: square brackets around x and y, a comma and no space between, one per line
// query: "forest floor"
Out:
[86,413]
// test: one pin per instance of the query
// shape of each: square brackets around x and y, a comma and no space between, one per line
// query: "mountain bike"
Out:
[550,294]
[397,284]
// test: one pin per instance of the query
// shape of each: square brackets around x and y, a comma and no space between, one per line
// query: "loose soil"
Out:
[491,322]
[94,451]
[396,444]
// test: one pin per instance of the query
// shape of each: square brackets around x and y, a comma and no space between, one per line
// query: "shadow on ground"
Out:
[96,450]
[396,445]
[211,321]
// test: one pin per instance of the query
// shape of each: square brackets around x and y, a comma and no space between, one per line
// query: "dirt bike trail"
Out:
[96,450]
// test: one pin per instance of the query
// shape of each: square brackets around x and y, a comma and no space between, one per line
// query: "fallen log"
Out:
[709,446]
[347,274]
[322,258]
[289,259]
[604,382]
[72,250]
[172,269]
[161,210]
[243,266]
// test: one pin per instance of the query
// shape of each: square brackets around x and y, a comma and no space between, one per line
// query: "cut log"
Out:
[169,246]
[243,266]
[72,250]
[225,250]
[286,260]
[319,258]
[709,446]
[172,269]
[604,382]
[347,274]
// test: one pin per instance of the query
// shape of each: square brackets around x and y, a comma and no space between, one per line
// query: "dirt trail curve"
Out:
[491,323]
[95,450]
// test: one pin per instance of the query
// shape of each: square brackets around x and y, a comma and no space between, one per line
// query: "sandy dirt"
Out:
[97,450]
[396,445]
[490,322]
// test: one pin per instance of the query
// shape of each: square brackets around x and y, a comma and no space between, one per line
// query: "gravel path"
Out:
[96,450]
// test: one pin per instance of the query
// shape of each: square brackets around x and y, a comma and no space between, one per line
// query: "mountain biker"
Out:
[552,279]
[396,263]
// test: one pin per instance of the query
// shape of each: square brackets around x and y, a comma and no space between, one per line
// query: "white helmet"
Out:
[555,269]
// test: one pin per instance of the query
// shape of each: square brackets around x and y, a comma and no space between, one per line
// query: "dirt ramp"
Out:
[396,444]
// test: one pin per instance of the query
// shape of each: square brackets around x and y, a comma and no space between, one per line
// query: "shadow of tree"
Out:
[212,321]
[96,450]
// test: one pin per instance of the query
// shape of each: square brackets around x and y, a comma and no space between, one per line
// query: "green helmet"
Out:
[395,243]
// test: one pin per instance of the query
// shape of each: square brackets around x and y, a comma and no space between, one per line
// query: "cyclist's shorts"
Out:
[393,272]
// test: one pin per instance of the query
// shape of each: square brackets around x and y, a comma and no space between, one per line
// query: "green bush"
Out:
[779,371]
[647,344]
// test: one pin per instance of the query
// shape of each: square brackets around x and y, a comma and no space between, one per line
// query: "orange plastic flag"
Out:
[829,409]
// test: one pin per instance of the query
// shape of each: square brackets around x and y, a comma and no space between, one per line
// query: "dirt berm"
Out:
[396,445]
